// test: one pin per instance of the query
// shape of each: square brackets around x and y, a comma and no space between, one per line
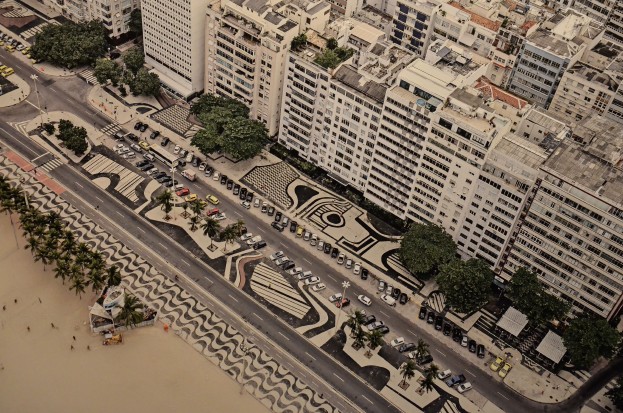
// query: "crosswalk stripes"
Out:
[49,165]
[274,288]
[21,127]
[111,129]
[89,76]
[128,180]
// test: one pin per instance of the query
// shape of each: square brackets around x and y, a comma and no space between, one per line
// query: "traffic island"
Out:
[13,90]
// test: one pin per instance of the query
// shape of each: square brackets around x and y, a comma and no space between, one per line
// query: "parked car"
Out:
[447,329]
[243,193]
[196,161]
[422,314]
[303,275]
[314,240]
[245,205]
[368,319]
[277,226]
[345,302]
[439,322]
[382,285]
[504,370]
[397,341]
[404,298]
[320,246]
[138,125]
[364,300]
[295,271]
[318,287]
[464,341]
[406,347]
[253,240]
[282,260]
[471,346]
[312,280]
[293,226]
[442,375]
[349,264]
[383,329]
[388,300]
[464,387]
[454,380]
[424,360]
[457,334]
[142,163]
[278,216]
[256,203]
[364,273]
[246,236]
[143,127]
[177,149]
[306,236]
[396,293]
[276,255]
[271,210]
[236,187]
[154,134]
[327,248]
[431,317]
[480,351]
[335,297]
[335,252]
[165,141]
[496,364]
[340,259]
[357,268]
[249,196]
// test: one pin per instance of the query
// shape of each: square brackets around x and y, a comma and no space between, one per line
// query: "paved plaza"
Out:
[128,181]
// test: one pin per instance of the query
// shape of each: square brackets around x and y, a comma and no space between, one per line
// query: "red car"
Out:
[213,211]
[344,303]
[183,192]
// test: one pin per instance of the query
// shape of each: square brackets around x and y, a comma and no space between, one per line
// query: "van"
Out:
[149,156]
[285,221]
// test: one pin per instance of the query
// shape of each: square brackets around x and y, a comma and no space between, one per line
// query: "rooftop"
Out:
[584,169]
[349,76]
[513,321]
[489,90]
[602,138]
[552,347]
[478,19]
[593,75]
[546,40]
[452,58]
[522,150]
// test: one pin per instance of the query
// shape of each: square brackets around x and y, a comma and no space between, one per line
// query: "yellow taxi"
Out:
[144,145]
[7,72]
[212,199]
[10,49]
[495,366]
[504,370]
[299,231]
[26,51]
[190,198]
[1,43]
[3,67]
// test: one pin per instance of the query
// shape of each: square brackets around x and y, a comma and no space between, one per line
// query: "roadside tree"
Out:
[210,227]
[134,59]
[375,339]
[106,69]
[466,284]
[407,371]
[588,339]
[136,22]
[425,248]
[165,200]
[145,83]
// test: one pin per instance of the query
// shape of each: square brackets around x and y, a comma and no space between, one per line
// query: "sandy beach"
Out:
[153,371]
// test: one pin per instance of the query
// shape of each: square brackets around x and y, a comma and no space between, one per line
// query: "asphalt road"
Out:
[70,94]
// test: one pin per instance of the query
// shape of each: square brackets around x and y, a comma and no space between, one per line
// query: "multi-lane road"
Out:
[337,383]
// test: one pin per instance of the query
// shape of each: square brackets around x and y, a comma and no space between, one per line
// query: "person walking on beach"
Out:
[28,328]
[52,324]
[74,338]
[72,347]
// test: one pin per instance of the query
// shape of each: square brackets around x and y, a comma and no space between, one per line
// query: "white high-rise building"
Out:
[173,39]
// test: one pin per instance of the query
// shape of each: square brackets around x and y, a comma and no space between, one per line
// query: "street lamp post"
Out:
[345,284]
[34,78]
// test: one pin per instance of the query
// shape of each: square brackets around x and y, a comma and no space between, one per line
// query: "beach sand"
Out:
[153,371]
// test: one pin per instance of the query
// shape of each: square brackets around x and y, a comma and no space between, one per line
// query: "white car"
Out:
[245,205]
[318,287]
[357,268]
[246,236]
[282,260]
[389,300]
[220,216]
[202,166]
[397,341]
[320,246]
[464,387]
[254,240]
[216,176]
[306,236]
[442,375]
[374,325]
[119,146]
[312,281]
[364,300]
[295,271]
[128,155]
[276,255]
[314,240]
[412,355]
[335,297]
[256,203]
[349,264]
[341,258]
[123,150]
[177,149]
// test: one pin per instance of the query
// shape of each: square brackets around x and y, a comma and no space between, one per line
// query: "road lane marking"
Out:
[331,277]
[232,298]
[99,199]
[307,261]
[338,377]
[443,354]
[40,156]
[384,313]
[282,335]
[469,372]
[162,245]
[411,332]
[120,214]
[369,401]
[261,230]
[310,356]
[186,262]
[78,185]
[503,396]
[282,244]
[258,316]
[141,229]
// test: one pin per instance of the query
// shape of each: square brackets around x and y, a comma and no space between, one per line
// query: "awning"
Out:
[552,347]
[513,321]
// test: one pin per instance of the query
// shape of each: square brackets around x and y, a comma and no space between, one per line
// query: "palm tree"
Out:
[238,227]
[360,338]
[78,283]
[375,339]
[432,370]
[185,207]
[131,312]
[194,221]
[113,276]
[197,206]
[96,267]
[165,199]
[32,244]
[210,227]
[228,235]
[355,320]
[407,370]
[63,266]
[68,243]
[429,378]
[421,349]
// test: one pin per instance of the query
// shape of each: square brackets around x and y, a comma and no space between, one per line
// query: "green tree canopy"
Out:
[466,284]
[298,42]
[106,69]
[330,58]
[134,59]
[424,248]
[616,394]
[74,137]
[244,138]
[529,296]
[206,103]
[587,339]
[145,83]
[332,44]
[70,44]
[136,22]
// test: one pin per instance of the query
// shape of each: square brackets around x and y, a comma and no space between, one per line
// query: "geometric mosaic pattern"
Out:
[274,288]
[128,180]
[175,118]
[206,332]
[273,181]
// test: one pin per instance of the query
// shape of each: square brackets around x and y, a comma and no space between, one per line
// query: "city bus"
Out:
[163,155]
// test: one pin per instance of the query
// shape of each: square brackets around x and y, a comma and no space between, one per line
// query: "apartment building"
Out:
[408,112]
[115,15]
[173,40]
[571,235]
[331,117]
[247,43]
[412,26]
[548,53]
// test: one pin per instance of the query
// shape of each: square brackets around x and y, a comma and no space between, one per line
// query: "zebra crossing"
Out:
[274,288]
[128,180]
[111,129]
[49,165]
[89,76]
[450,407]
